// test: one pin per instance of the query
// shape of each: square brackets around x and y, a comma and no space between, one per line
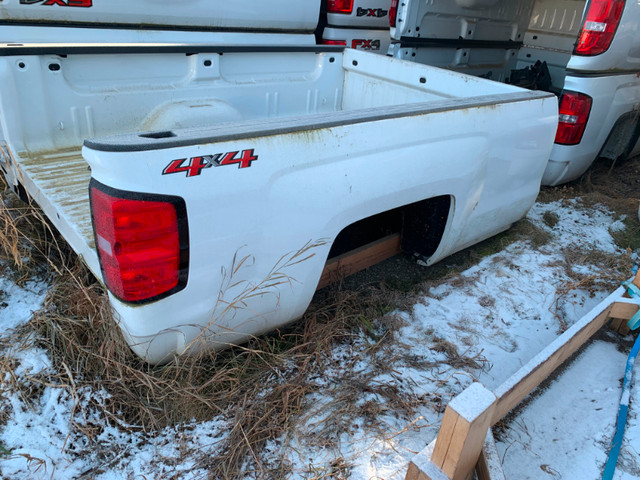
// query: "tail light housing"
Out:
[573,115]
[600,25]
[142,242]
[393,13]
[334,42]
[340,6]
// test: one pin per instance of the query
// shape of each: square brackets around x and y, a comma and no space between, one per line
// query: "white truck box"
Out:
[367,14]
[598,88]
[359,24]
[221,176]
[216,15]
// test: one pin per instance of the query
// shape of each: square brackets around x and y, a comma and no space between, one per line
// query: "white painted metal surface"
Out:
[470,21]
[311,183]
[610,79]
[339,137]
[281,15]
[47,34]
[490,20]
[549,31]
[613,96]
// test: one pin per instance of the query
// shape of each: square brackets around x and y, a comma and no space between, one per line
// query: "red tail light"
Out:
[334,42]
[600,25]
[393,13]
[142,243]
[340,6]
[573,116]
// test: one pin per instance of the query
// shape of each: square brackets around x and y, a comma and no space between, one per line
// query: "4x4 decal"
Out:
[194,166]
[62,3]
[364,44]
[371,12]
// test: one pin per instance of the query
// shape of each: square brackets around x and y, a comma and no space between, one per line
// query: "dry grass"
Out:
[259,388]
[27,241]
[617,187]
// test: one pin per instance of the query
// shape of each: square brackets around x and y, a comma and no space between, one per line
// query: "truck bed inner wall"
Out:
[547,30]
[87,96]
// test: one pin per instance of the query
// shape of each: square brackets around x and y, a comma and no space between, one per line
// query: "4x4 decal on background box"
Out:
[62,3]
[371,12]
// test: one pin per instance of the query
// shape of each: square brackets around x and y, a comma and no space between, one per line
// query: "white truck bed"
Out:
[339,136]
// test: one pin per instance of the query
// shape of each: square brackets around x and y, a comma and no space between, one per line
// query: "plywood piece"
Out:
[463,431]
[359,259]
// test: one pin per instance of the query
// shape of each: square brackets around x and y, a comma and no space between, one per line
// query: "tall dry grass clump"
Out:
[25,235]
[260,388]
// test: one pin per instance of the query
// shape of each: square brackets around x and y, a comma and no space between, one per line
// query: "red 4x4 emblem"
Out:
[194,166]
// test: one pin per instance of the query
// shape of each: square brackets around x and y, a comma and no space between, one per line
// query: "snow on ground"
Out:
[500,312]
[566,432]
[18,302]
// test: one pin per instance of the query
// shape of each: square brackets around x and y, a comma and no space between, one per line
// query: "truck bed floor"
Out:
[59,181]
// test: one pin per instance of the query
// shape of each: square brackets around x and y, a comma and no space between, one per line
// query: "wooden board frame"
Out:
[473,437]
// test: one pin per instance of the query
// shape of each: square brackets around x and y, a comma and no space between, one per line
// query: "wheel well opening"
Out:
[420,227]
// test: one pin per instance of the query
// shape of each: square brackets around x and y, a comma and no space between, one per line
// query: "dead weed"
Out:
[260,389]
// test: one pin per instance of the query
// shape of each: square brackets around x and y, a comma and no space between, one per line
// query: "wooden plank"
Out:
[519,385]
[619,323]
[489,466]
[420,467]
[463,431]
[624,310]
[616,324]
[621,312]
[359,259]
[423,469]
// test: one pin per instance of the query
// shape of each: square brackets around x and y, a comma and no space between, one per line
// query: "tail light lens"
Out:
[600,25]
[334,42]
[573,116]
[142,243]
[393,13]
[340,6]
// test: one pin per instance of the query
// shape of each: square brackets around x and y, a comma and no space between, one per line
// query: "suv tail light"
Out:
[393,13]
[333,42]
[340,6]
[573,116]
[142,242]
[600,25]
